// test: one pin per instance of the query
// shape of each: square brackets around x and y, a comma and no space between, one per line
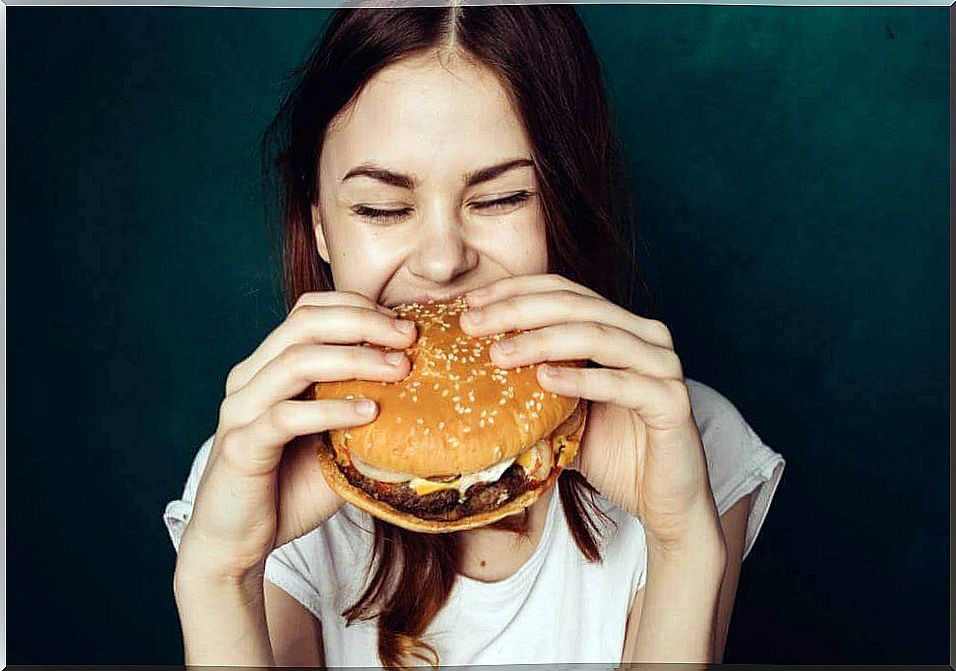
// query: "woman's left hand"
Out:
[641,448]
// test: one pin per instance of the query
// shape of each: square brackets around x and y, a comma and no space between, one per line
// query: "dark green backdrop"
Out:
[791,167]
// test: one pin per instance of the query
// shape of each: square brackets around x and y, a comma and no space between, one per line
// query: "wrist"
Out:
[199,559]
[701,543]
[195,572]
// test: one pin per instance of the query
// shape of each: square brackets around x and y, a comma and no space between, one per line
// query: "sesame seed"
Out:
[466,429]
[441,425]
[419,420]
[398,420]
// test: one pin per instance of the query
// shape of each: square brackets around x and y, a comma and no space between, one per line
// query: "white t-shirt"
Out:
[557,608]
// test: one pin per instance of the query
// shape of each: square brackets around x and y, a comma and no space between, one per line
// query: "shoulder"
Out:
[710,406]
[725,433]
[738,461]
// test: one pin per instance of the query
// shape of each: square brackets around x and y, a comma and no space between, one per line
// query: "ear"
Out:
[320,242]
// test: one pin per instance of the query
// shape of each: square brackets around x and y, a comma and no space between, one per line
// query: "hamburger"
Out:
[459,443]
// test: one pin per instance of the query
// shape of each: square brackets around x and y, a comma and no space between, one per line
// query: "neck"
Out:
[529,522]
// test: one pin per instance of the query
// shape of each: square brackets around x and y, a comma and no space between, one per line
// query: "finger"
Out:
[333,324]
[300,365]
[604,344]
[663,403]
[528,311]
[256,448]
[320,298]
[524,284]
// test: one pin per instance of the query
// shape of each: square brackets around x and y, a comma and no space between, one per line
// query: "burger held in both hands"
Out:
[460,442]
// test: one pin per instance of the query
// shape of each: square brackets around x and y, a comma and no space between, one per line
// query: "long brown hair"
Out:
[544,59]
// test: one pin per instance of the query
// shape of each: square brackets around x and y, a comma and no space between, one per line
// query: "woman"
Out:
[426,153]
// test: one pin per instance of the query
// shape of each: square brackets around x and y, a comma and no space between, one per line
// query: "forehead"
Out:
[428,117]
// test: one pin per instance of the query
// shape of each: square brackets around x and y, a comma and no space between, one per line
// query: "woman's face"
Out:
[436,150]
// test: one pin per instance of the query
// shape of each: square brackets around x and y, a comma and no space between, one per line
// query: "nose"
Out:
[442,252]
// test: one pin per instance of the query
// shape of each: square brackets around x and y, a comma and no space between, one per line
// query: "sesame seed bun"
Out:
[566,442]
[456,411]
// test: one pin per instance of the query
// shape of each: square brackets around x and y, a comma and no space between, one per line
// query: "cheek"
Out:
[522,247]
[363,262]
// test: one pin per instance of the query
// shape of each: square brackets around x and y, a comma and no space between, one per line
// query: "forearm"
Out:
[681,596]
[223,621]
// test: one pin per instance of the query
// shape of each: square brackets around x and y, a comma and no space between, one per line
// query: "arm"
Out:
[734,525]
[295,633]
[223,621]
[259,624]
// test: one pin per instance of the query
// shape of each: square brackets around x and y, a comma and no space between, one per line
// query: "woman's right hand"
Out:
[262,485]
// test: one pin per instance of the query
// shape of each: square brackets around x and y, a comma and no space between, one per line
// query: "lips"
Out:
[431,298]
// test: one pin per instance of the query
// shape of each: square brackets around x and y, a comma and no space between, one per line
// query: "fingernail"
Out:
[365,407]
[505,346]
[404,326]
[550,371]
[395,358]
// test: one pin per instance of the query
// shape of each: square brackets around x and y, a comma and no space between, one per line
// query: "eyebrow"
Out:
[408,181]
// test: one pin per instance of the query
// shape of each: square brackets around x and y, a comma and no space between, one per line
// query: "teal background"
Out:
[791,167]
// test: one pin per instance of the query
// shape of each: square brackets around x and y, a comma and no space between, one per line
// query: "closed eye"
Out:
[381,216]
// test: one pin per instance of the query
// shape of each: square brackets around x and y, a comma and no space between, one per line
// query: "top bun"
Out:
[456,411]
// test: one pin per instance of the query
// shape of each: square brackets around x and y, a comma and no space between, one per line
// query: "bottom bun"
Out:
[357,497]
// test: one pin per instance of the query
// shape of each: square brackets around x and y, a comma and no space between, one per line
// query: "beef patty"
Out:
[444,505]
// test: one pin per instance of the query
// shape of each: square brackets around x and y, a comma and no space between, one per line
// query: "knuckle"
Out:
[660,330]
[302,314]
[231,447]
[354,295]
[673,364]
[226,411]
[680,394]
[359,357]
[307,298]
[234,377]
[281,417]
[293,356]
[598,331]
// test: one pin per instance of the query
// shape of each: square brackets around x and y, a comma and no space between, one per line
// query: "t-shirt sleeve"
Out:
[177,513]
[286,567]
[738,461]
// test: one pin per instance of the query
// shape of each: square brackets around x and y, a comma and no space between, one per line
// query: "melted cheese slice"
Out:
[536,462]
[423,486]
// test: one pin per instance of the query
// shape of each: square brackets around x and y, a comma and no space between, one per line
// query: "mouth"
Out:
[430,298]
